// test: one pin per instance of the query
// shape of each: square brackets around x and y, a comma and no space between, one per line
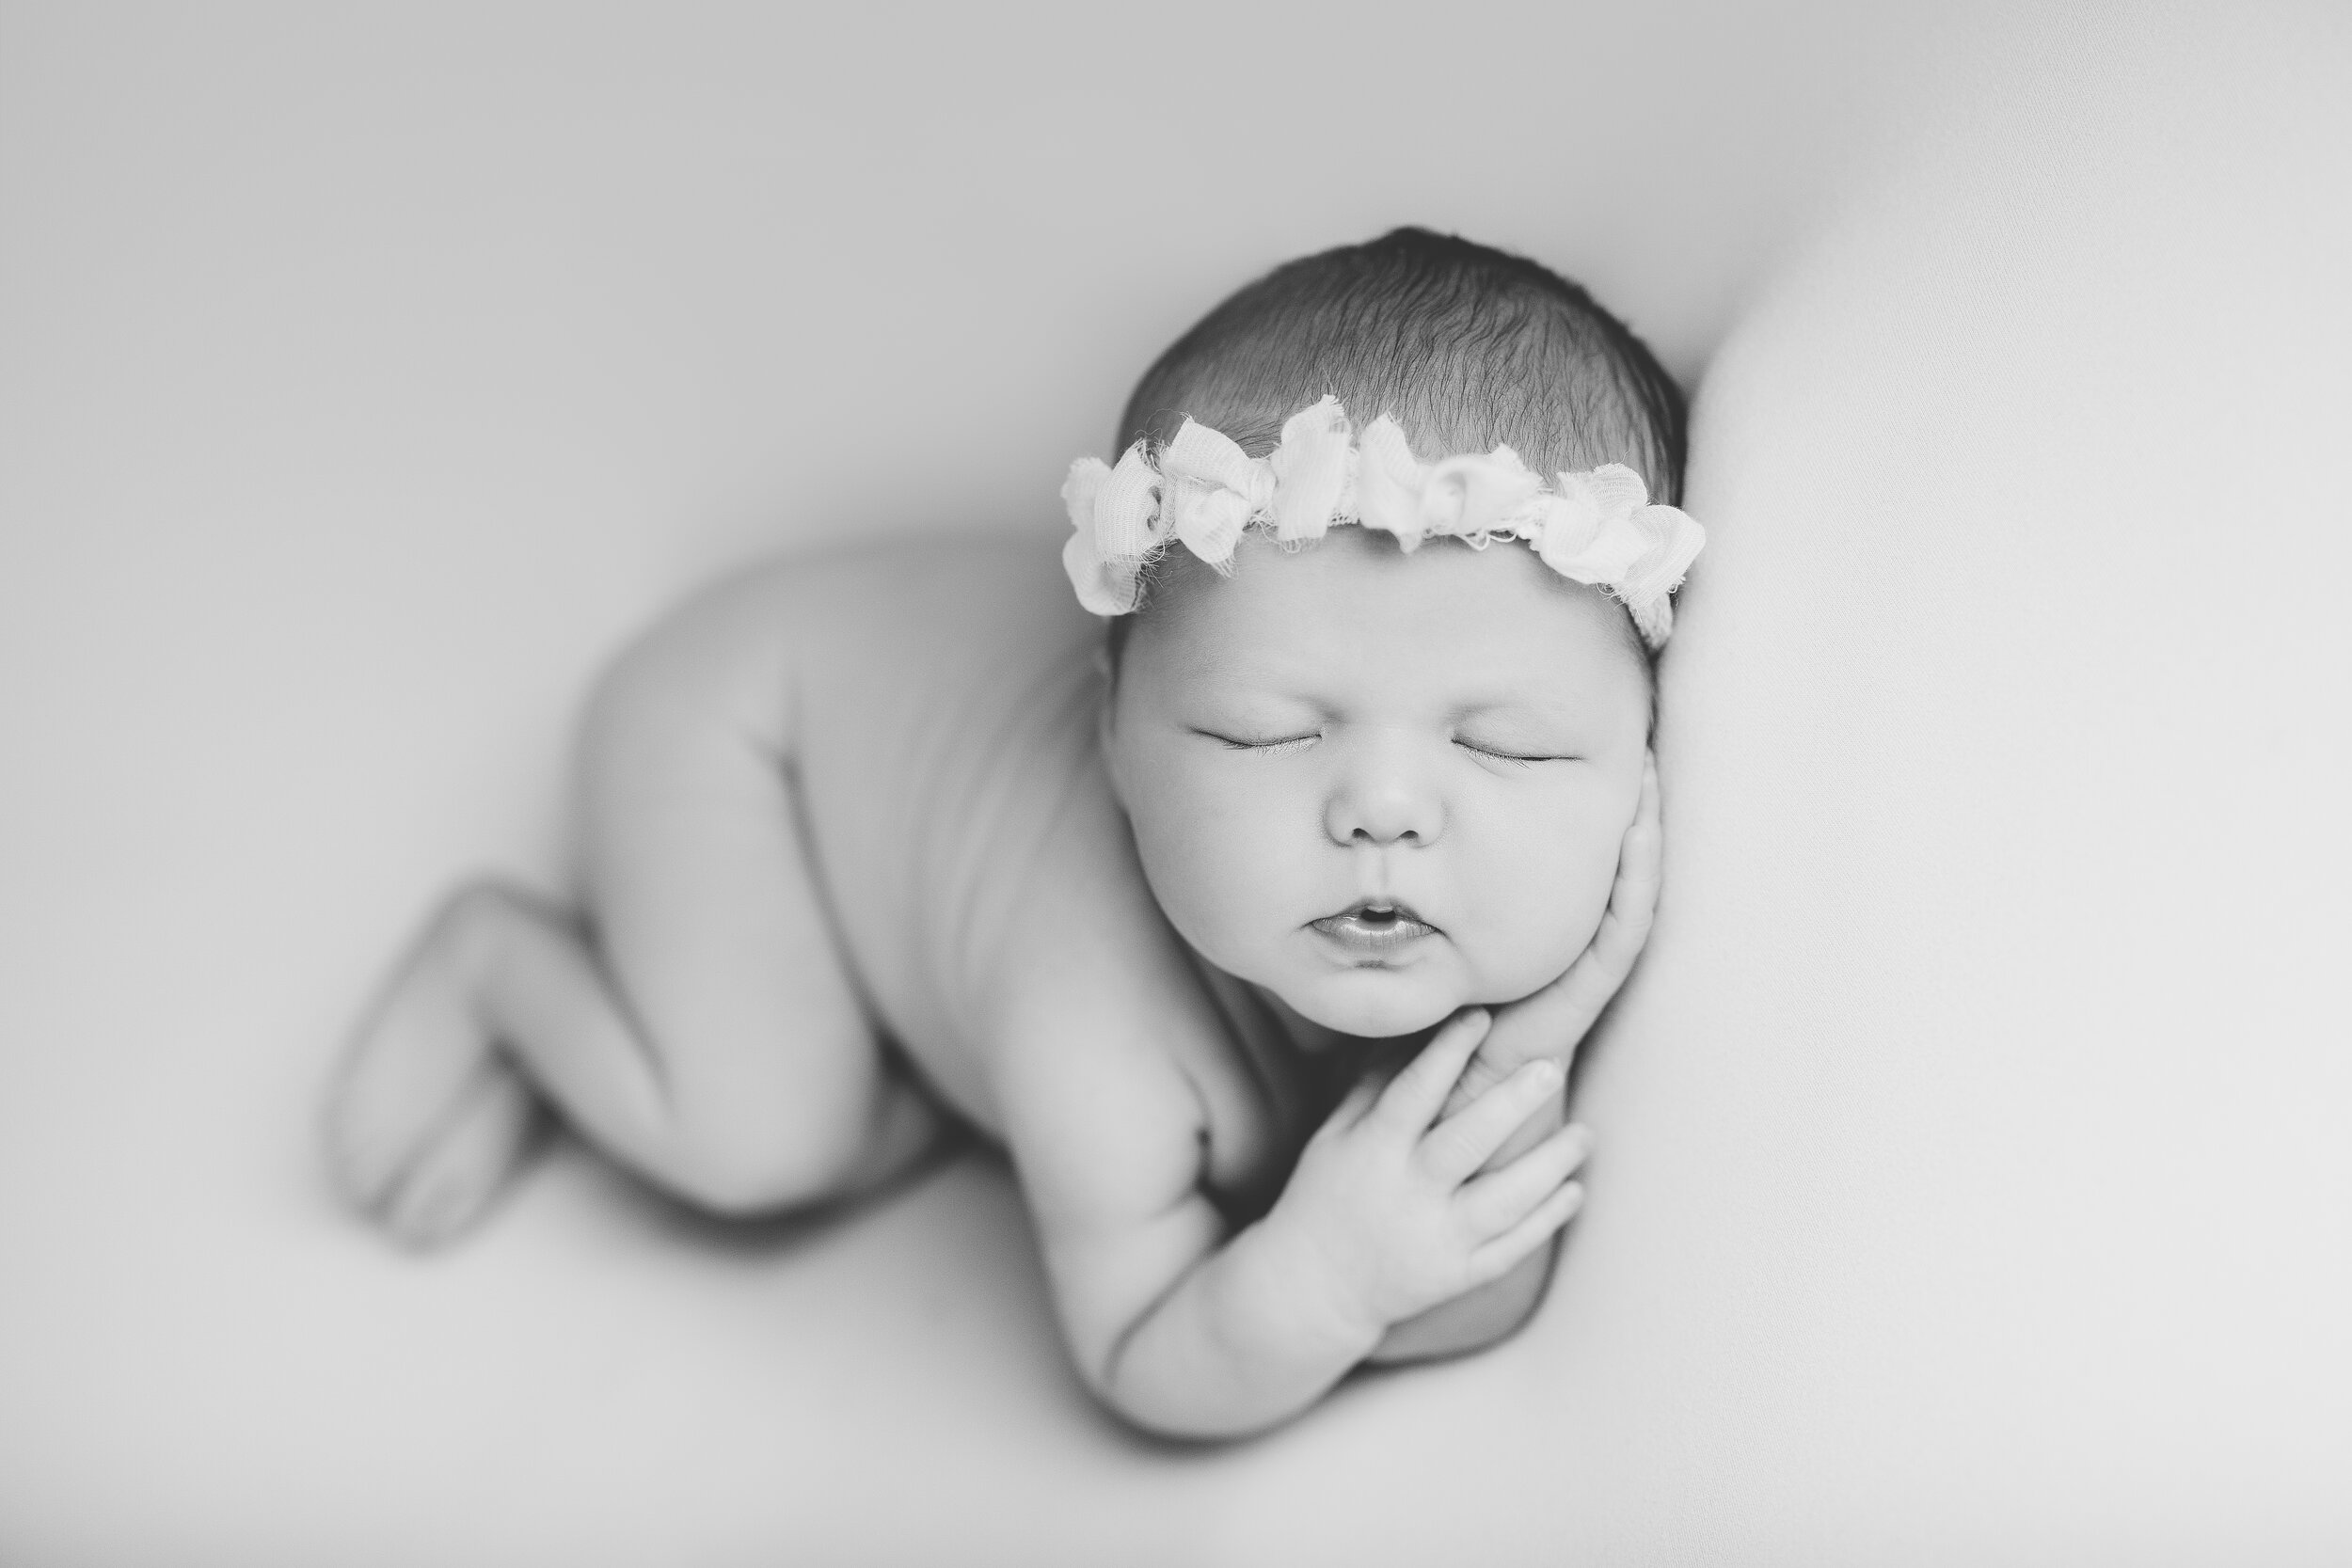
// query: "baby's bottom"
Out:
[699,1027]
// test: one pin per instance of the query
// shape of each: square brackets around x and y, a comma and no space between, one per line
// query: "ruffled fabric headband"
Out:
[1202,489]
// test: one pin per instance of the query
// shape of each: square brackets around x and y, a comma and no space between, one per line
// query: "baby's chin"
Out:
[1383,1003]
[1374,1003]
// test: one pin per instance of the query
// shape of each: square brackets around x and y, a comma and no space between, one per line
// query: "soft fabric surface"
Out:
[1999,1009]
[1971,1183]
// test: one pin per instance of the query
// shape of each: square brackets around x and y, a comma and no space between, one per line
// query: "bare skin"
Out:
[840,801]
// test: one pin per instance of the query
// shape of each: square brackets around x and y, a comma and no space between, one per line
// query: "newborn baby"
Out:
[1258,925]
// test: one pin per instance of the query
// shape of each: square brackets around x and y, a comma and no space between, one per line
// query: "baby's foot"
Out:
[426,1121]
[466,1163]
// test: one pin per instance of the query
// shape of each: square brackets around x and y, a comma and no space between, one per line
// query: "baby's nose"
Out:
[1385,802]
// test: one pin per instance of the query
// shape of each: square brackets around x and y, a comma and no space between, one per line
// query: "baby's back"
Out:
[944,704]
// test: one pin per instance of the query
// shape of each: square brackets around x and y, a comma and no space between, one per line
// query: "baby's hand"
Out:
[1383,1202]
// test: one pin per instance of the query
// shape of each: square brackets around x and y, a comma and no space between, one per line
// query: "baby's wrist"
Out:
[1319,1296]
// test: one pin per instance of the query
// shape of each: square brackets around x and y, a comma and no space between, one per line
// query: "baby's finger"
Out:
[1496,1202]
[1462,1143]
[1415,1096]
[1502,1255]
[1633,897]
[1351,1109]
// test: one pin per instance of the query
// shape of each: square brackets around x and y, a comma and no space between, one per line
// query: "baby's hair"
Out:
[1468,347]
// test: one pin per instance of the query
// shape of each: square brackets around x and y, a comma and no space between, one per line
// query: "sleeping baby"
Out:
[1253,897]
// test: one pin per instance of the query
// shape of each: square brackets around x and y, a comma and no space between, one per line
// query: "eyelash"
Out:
[1268,748]
[1503,756]
[1291,743]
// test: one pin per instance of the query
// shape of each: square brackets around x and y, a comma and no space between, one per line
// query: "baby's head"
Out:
[1385,782]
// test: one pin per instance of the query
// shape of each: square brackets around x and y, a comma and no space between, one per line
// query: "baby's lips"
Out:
[1378,909]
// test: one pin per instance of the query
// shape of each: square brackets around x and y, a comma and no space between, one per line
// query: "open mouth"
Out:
[1373,926]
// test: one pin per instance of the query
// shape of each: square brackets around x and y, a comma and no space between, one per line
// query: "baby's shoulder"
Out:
[1106,1046]
[945,606]
[957,655]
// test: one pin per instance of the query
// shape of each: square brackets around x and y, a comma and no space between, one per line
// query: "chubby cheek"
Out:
[1223,868]
[1541,896]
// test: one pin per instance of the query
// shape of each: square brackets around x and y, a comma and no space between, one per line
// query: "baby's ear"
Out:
[1103,719]
[1107,742]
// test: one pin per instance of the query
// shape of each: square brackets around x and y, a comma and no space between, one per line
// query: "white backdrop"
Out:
[366,375]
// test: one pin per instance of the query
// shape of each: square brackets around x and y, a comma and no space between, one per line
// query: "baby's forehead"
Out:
[1353,613]
[1355,583]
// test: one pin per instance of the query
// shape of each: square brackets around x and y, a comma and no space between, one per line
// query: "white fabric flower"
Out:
[1114,515]
[1314,472]
[1211,490]
[1590,537]
[1387,483]
[1472,496]
[1674,537]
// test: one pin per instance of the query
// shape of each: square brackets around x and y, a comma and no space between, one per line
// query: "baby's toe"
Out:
[453,1180]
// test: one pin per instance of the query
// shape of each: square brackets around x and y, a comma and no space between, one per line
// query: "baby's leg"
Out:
[701,1030]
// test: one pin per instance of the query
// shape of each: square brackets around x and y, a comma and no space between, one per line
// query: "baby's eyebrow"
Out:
[1238,679]
[1517,704]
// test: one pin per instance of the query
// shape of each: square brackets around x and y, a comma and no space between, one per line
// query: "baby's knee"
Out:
[476,921]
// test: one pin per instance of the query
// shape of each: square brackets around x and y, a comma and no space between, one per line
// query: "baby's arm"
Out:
[1187,1332]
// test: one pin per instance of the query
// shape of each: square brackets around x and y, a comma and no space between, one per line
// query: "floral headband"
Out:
[1597,527]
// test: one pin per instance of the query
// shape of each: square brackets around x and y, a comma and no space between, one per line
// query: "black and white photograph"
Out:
[1544,783]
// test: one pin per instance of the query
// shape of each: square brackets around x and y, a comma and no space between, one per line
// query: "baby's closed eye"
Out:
[1516,754]
[1272,745]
